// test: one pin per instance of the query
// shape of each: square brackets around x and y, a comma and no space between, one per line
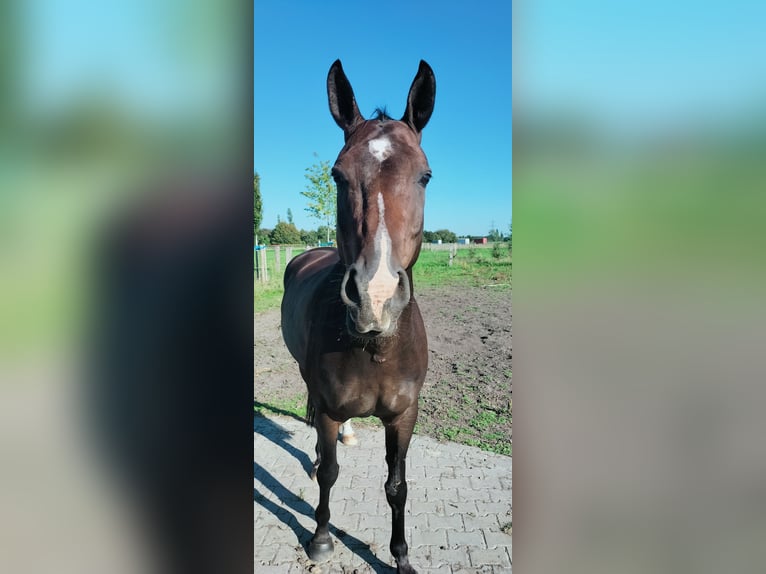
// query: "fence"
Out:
[271,261]
[453,246]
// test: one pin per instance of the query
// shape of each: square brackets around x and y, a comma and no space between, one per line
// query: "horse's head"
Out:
[381,175]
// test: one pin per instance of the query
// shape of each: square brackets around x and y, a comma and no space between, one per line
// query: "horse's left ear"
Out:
[420,100]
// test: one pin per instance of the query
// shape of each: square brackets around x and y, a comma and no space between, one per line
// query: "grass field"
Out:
[472,266]
[268,295]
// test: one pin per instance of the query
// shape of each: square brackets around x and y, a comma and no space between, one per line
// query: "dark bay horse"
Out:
[349,317]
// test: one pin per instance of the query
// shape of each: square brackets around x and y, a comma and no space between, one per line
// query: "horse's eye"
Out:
[337,175]
[424,179]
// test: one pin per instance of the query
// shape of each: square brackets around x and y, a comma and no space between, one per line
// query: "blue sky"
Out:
[644,66]
[467,141]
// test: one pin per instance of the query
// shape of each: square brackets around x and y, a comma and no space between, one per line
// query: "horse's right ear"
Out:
[342,102]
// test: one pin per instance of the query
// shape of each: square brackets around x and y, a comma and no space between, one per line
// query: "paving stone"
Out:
[489,557]
[495,539]
[486,522]
[473,494]
[429,538]
[463,507]
[452,511]
[463,538]
[444,557]
[499,508]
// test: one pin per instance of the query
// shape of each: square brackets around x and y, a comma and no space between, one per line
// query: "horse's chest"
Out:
[369,388]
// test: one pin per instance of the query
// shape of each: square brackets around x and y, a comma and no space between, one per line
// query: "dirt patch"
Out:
[467,394]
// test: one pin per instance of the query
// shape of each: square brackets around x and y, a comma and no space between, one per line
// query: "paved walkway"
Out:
[458,504]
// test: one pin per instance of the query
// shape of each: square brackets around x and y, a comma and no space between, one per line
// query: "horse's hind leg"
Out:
[321,547]
[347,435]
[398,435]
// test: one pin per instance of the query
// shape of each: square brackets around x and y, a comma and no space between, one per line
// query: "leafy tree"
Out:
[324,231]
[494,233]
[445,235]
[309,237]
[429,236]
[289,215]
[264,235]
[257,203]
[285,233]
[322,195]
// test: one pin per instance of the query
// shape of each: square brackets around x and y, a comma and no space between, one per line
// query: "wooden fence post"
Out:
[277,259]
[260,265]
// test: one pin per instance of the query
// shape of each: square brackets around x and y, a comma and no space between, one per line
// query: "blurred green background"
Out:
[99,103]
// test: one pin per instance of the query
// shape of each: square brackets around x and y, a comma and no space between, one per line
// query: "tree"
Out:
[285,233]
[321,193]
[309,237]
[257,203]
[263,235]
[428,237]
[494,233]
[289,215]
[324,231]
[445,235]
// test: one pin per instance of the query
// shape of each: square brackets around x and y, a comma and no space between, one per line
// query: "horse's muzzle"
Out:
[373,309]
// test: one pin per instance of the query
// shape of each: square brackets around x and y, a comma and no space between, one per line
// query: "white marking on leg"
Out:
[383,284]
[347,435]
[380,148]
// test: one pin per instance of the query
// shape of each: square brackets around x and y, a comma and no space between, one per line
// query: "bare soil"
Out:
[467,395]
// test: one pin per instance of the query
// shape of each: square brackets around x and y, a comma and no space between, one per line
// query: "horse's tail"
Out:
[310,412]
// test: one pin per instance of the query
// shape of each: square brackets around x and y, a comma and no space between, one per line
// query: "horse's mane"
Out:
[381,115]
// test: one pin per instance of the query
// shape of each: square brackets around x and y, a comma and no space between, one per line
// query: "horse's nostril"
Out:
[351,288]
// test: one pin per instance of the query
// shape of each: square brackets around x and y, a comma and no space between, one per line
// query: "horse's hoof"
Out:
[406,569]
[320,551]
[349,439]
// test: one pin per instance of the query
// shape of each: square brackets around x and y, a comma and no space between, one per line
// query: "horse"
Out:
[349,315]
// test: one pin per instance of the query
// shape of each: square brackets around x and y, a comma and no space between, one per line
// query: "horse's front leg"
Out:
[321,547]
[317,460]
[398,435]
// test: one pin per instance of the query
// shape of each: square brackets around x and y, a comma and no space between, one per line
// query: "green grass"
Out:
[486,419]
[268,295]
[293,407]
[472,266]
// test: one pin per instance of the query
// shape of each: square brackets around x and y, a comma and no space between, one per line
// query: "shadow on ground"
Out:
[279,436]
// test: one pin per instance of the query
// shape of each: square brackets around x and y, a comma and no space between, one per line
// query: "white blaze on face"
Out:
[383,284]
[380,148]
